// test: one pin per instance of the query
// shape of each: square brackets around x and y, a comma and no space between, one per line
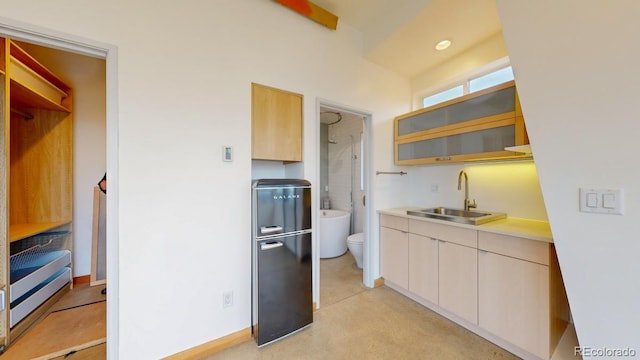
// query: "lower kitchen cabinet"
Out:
[423,267]
[516,308]
[456,263]
[394,250]
[505,288]
[458,280]
[528,306]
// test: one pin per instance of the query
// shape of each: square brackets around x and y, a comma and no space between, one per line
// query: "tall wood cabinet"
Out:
[276,121]
[36,147]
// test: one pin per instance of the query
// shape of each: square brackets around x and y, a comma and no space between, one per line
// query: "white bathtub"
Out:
[334,229]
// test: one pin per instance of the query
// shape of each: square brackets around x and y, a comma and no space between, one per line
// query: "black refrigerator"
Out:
[281,258]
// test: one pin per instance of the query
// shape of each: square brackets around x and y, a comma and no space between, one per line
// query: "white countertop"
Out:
[524,228]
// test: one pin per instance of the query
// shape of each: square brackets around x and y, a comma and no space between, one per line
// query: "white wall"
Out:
[576,66]
[86,76]
[509,187]
[184,90]
[475,59]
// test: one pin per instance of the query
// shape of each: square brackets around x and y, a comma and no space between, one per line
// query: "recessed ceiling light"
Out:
[443,44]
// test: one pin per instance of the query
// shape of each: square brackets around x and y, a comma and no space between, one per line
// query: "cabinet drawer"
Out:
[27,277]
[29,302]
[394,222]
[461,236]
[525,249]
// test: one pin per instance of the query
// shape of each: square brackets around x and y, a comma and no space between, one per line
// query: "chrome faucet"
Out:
[467,202]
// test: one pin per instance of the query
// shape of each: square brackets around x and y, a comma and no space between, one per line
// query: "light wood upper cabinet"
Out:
[472,127]
[277,126]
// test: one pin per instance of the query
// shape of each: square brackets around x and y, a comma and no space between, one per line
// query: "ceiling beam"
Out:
[312,11]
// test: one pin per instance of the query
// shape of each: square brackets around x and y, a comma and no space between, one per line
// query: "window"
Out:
[470,85]
[443,96]
[491,79]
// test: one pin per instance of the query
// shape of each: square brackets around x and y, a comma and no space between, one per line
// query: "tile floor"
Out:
[355,322]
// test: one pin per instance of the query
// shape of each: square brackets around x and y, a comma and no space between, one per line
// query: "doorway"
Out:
[80,46]
[343,177]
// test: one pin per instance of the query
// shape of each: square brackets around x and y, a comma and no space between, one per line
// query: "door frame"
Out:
[368,248]
[22,31]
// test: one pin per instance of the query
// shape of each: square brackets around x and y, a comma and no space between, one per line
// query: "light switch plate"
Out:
[602,201]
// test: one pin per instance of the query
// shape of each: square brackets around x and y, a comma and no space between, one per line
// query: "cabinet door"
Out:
[394,252]
[490,103]
[513,301]
[423,267]
[276,124]
[489,140]
[472,127]
[458,281]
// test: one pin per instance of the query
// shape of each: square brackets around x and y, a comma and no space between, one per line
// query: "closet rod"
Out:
[391,172]
[26,116]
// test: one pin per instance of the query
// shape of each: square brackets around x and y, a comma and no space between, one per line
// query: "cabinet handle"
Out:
[443,158]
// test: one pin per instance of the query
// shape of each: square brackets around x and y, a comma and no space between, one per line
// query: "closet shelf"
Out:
[21,231]
[33,85]
[21,55]
[23,97]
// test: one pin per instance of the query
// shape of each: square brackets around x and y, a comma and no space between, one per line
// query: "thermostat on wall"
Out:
[227,153]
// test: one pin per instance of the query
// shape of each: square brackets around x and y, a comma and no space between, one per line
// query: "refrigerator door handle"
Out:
[270,229]
[271,245]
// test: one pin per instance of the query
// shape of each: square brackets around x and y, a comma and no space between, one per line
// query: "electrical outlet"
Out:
[227,299]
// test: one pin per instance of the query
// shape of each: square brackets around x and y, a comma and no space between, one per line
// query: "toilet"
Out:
[355,244]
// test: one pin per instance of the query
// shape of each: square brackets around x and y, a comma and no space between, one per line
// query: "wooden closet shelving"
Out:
[36,163]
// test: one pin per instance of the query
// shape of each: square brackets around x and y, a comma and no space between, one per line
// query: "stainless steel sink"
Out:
[458,215]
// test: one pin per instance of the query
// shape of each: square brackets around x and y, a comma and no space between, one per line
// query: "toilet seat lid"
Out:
[356,238]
